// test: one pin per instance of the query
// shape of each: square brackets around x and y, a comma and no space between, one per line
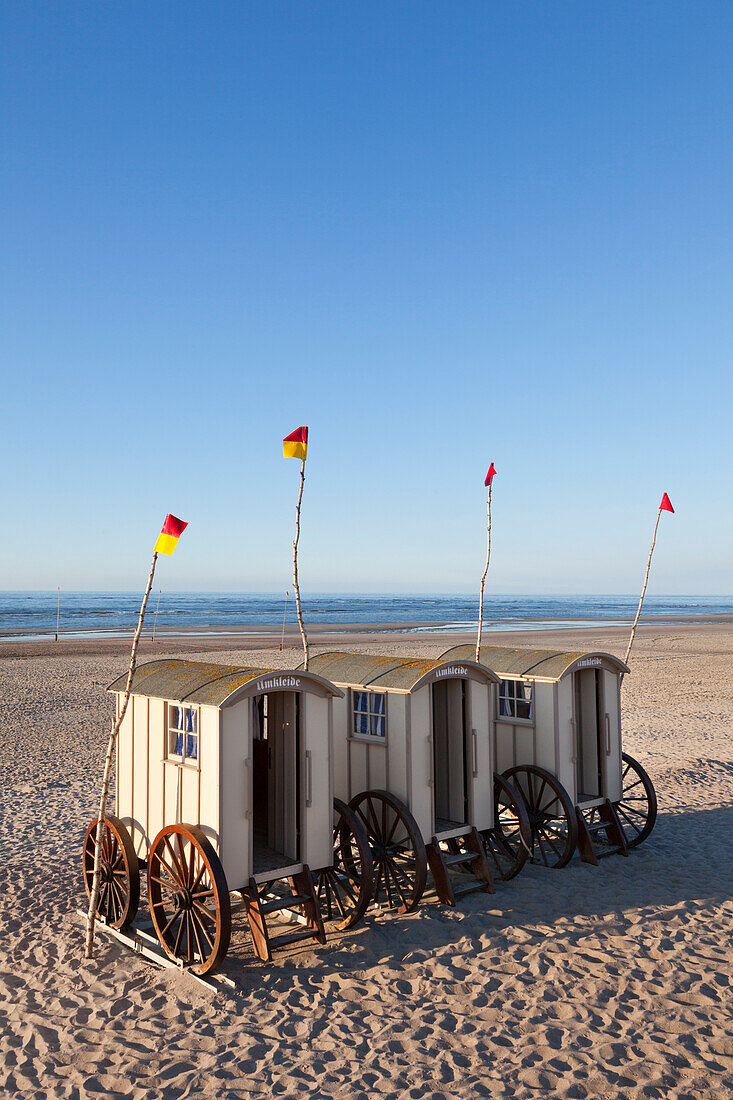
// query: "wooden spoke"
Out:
[507,845]
[637,808]
[397,849]
[553,829]
[344,889]
[119,892]
[193,873]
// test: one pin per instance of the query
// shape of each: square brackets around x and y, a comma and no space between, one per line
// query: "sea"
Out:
[114,614]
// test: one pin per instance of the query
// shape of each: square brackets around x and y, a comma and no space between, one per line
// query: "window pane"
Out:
[379,704]
[361,724]
[175,715]
[178,750]
[378,723]
[192,743]
[361,701]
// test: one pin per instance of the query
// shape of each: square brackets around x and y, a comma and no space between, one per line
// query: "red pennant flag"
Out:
[295,445]
[491,474]
[666,505]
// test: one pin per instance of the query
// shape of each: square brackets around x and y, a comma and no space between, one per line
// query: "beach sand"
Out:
[584,982]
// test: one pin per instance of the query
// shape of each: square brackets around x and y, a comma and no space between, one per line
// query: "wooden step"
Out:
[609,824]
[465,851]
[302,897]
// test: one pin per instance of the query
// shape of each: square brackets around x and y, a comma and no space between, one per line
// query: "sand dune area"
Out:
[612,981]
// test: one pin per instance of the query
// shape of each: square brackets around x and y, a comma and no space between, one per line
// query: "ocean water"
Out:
[114,614]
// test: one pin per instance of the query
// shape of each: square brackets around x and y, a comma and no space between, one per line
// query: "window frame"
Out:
[182,761]
[512,700]
[367,738]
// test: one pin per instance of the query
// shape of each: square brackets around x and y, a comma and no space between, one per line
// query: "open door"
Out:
[589,727]
[276,801]
[450,779]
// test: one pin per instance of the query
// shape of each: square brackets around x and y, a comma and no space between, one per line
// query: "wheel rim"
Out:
[189,898]
[398,851]
[345,888]
[552,822]
[508,844]
[119,888]
[637,810]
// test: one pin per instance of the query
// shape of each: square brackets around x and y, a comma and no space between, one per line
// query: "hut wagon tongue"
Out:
[413,758]
[224,783]
[557,736]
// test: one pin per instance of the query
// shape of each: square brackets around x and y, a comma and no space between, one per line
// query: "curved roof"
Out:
[390,673]
[215,685]
[536,664]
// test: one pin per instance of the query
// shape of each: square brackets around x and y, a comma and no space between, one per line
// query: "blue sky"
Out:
[438,234]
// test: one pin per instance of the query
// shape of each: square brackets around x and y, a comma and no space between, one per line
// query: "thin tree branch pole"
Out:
[643,591]
[301,624]
[285,611]
[483,578]
[89,948]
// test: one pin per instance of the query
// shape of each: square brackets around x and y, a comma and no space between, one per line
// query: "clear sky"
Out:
[439,234]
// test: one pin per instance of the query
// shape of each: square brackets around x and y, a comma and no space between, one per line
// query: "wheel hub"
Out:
[184,900]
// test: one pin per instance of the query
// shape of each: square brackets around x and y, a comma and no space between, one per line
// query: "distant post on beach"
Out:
[489,479]
[285,611]
[58,610]
[295,445]
[157,608]
[166,543]
[665,506]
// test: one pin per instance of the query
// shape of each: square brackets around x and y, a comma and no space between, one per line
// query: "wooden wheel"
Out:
[398,851]
[508,844]
[552,821]
[345,888]
[189,897]
[637,810]
[119,882]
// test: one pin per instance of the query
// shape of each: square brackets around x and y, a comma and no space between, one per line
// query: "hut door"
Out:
[589,723]
[283,787]
[449,753]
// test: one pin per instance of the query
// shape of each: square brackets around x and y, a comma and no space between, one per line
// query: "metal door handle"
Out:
[430,765]
[475,753]
[247,787]
[574,757]
[309,778]
[608,735]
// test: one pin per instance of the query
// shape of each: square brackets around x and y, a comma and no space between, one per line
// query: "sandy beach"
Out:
[584,982]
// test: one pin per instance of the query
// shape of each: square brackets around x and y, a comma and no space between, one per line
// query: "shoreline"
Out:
[422,638]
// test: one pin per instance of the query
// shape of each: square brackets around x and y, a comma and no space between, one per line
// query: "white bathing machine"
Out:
[224,783]
[413,757]
[557,736]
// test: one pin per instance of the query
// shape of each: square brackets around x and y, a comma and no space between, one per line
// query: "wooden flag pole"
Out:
[301,624]
[89,947]
[667,507]
[58,610]
[489,481]
[285,611]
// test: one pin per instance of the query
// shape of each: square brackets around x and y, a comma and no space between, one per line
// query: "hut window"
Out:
[515,699]
[370,714]
[183,732]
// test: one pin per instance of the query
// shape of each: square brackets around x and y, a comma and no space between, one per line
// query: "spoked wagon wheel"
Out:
[119,880]
[398,851]
[345,889]
[189,897]
[637,810]
[552,822]
[508,844]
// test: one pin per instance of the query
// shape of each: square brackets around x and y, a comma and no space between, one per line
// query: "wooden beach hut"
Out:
[224,783]
[413,757]
[557,737]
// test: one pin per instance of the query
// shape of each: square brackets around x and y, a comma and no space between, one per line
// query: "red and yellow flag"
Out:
[168,538]
[666,505]
[295,445]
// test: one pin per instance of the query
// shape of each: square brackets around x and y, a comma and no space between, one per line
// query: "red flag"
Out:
[666,505]
[491,474]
